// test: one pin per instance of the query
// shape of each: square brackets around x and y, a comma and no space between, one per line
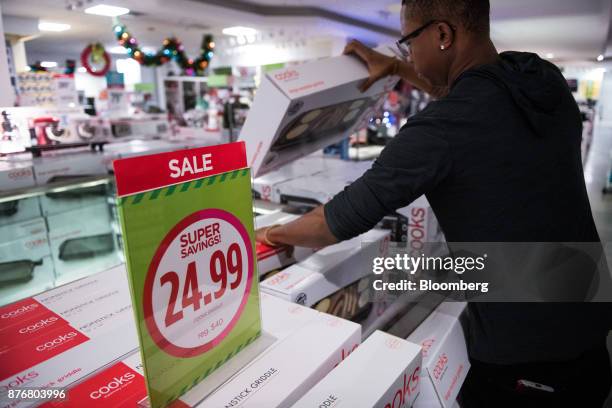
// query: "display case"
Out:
[55,233]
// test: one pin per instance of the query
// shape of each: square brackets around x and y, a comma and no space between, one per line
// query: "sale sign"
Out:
[187,221]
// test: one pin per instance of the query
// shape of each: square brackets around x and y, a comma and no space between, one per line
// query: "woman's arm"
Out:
[309,231]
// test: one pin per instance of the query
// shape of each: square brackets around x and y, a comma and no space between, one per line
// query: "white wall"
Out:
[605,108]
[7,94]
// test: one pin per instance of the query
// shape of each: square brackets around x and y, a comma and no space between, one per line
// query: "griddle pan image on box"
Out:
[86,247]
[9,208]
[75,193]
[17,271]
[321,123]
[351,302]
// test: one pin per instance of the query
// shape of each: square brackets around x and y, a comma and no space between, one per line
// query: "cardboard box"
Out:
[65,334]
[382,372]
[301,109]
[281,375]
[148,127]
[26,267]
[16,175]
[94,306]
[82,242]
[122,383]
[64,168]
[265,187]
[281,318]
[321,187]
[19,210]
[268,186]
[423,227]
[445,357]
[38,277]
[329,270]
[272,258]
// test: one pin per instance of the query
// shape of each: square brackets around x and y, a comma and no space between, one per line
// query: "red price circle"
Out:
[198,283]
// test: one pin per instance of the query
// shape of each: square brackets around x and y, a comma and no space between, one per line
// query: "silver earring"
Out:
[442,47]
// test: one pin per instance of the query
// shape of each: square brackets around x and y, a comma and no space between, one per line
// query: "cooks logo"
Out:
[416,230]
[406,391]
[20,311]
[56,342]
[440,366]
[114,384]
[19,174]
[287,75]
[38,325]
[19,381]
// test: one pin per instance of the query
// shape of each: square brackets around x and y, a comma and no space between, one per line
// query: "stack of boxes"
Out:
[26,266]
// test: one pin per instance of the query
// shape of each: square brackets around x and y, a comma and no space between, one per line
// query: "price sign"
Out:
[187,221]
[196,287]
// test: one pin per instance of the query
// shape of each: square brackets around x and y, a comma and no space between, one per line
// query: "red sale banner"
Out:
[144,173]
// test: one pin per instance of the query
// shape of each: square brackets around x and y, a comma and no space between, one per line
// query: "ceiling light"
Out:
[48,64]
[117,50]
[550,55]
[49,26]
[106,10]
[239,31]
[600,58]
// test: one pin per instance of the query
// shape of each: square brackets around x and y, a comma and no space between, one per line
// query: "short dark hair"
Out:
[473,15]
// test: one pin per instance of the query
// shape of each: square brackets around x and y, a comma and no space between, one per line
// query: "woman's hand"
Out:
[379,65]
[261,236]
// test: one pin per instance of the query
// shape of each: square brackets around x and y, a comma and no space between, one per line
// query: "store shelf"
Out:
[85,182]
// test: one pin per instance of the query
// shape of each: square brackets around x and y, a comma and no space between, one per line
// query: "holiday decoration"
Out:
[93,56]
[172,49]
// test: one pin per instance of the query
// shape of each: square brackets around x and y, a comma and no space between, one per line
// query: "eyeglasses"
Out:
[403,45]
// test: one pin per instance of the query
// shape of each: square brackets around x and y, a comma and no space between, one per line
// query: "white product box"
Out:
[267,186]
[281,318]
[321,187]
[311,190]
[82,242]
[423,227]
[301,109]
[445,357]
[26,267]
[67,167]
[382,372]
[133,148]
[60,370]
[87,316]
[328,270]
[146,127]
[16,175]
[282,374]
[15,211]
[272,258]
[36,278]
[142,147]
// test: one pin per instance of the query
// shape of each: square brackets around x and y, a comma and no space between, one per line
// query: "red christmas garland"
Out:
[86,54]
